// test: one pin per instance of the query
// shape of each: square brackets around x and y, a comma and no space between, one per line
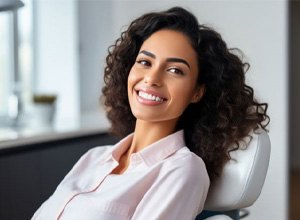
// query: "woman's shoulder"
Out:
[187,162]
[97,152]
[188,158]
[88,161]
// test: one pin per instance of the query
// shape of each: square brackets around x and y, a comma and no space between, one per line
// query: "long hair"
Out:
[227,112]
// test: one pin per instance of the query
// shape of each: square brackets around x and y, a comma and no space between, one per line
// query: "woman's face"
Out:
[162,81]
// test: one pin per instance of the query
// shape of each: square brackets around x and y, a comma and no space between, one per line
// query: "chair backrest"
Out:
[243,176]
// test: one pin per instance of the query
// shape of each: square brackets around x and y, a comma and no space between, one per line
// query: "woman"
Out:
[178,97]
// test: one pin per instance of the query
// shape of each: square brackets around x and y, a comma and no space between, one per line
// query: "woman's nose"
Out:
[153,78]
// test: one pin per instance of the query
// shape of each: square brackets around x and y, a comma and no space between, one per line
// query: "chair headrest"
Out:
[243,176]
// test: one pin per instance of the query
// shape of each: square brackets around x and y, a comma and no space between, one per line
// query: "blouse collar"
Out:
[154,152]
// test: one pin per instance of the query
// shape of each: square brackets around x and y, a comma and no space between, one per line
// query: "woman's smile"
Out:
[148,97]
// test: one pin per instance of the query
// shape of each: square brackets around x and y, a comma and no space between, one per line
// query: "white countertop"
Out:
[86,124]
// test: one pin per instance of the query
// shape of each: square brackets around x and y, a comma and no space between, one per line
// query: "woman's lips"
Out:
[149,97]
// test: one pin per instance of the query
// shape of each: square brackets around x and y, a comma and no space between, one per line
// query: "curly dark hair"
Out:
[226,113]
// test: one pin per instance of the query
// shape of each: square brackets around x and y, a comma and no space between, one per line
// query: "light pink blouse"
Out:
[163,181]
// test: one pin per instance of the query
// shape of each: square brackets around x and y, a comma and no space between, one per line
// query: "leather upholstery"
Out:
[243,176]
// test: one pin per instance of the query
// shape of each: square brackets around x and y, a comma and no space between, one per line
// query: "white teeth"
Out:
[149,96]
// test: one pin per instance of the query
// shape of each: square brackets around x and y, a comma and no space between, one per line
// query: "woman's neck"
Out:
[146,133]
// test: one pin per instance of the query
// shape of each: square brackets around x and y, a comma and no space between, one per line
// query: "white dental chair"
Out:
[241,181]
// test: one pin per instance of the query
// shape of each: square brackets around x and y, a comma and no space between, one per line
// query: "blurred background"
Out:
[57,49]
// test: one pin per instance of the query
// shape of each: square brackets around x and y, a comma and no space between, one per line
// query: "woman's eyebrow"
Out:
[171,59]
[178,60]
[147,53]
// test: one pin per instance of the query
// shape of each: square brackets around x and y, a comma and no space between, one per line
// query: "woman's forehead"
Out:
[169,43]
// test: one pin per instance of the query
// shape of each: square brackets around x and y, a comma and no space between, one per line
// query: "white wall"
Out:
[95,27]
[259,28]
[56,43]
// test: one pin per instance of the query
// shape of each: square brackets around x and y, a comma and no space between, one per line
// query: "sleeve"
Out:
[86,160]
[179,192]
[75,168]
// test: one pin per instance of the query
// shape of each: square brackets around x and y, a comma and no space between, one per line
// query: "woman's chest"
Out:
[115,197]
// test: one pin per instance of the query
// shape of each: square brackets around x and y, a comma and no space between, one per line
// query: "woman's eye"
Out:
[144,62]
[176,71]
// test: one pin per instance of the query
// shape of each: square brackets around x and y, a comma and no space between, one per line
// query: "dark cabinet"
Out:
[30,174]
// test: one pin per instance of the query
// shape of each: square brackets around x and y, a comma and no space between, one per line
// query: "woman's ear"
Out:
[200,90]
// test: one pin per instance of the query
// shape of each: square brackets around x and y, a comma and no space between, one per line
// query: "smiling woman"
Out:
[162,83]
[177,96]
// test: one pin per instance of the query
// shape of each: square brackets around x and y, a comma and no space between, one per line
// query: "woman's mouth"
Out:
[149,98]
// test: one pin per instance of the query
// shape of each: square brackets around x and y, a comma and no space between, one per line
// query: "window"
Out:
[25,55]
[5,60]
[26,49]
